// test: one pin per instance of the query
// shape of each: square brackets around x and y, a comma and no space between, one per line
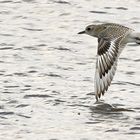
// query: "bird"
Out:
[112,38]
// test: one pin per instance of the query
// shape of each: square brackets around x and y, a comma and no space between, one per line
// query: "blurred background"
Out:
[47,72]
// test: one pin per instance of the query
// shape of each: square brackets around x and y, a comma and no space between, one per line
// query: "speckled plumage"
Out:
[112,38]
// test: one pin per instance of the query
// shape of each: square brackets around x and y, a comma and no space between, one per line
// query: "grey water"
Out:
[47,72]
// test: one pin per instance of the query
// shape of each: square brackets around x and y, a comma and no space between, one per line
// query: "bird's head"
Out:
[93,30]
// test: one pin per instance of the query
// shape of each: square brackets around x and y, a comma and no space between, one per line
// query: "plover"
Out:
[112,38]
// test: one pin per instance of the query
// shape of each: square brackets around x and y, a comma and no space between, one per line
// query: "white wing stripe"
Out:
[105,68]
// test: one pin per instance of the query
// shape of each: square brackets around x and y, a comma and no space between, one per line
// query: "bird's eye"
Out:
[88,29]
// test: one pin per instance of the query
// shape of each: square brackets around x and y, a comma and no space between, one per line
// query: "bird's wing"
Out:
[106,64]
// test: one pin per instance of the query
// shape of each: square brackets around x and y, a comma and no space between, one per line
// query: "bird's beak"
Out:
[82,32]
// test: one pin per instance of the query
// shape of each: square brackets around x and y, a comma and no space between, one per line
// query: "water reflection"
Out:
[106,109]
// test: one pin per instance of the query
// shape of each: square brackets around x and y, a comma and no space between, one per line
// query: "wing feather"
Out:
[106,65]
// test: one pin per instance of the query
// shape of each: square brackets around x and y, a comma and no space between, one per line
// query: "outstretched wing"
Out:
[106,64]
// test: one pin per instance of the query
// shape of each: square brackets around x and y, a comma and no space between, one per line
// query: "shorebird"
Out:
[112,38]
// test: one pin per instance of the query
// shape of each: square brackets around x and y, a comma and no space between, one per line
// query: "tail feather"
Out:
[135,37]
[137,40]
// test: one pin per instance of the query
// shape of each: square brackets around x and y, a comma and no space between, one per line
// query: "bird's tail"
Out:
[138,40]
[135,37]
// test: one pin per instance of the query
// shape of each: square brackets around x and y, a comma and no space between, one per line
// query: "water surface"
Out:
[47,72]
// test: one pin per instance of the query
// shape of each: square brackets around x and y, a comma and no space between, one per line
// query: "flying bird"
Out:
[112,38]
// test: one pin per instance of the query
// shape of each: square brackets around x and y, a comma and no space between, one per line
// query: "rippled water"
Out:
[47,72]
